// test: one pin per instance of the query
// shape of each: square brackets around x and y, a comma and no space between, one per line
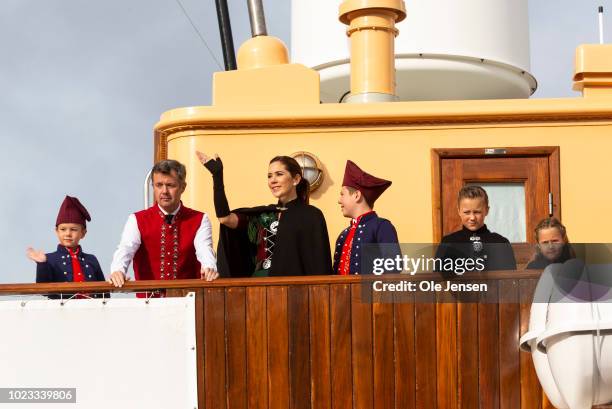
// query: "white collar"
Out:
[173,213]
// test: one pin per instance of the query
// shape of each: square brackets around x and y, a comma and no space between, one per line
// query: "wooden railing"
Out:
[310,342]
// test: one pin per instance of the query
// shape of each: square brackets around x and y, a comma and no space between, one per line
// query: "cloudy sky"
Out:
[83,82]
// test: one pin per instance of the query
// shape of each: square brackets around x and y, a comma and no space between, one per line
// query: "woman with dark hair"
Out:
[553,245]
[284,239]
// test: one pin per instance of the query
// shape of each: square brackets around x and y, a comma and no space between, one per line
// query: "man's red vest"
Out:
[166,250]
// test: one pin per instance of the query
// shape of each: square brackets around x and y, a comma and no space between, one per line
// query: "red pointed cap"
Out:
[370,186]
[72,211]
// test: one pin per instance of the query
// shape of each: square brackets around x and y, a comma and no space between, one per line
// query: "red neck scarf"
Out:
[344,266]
[77,272]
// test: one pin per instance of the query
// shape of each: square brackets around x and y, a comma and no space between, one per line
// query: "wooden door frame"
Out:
[438,154]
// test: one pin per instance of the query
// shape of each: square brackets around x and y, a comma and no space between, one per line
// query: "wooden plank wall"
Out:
[319,346]
[312,342]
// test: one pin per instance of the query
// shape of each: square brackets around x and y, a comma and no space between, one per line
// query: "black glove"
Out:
[215,167]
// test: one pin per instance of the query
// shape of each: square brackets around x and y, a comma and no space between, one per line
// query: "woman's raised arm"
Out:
[222,209]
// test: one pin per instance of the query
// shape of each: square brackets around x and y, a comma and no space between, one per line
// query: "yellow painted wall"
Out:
[400,152]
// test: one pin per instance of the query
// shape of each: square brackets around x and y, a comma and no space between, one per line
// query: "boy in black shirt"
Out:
[491,251]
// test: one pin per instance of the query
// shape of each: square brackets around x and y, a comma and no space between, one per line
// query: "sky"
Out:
[83,83]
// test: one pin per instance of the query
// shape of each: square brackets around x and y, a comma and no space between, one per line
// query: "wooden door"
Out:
[535,168]
[532,173]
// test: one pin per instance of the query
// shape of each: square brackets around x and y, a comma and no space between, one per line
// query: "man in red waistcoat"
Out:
[168,240]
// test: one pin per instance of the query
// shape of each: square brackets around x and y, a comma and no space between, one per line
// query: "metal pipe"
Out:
[257,17]
[601,32]
[146,191]
[225,32]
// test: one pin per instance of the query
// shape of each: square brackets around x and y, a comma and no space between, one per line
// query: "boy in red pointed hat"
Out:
[359,192]
[69,263]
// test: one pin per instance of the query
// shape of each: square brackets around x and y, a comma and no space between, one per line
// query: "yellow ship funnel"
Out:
[371,28]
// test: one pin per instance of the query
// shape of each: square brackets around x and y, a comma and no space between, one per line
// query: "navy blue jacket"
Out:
[58,267]
[371,230]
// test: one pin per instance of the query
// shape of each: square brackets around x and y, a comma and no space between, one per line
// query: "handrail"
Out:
[149,285]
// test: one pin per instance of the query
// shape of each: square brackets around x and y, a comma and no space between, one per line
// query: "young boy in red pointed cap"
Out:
[357,196]
[69,263]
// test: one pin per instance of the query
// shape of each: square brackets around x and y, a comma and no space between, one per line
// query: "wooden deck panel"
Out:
[312,342]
